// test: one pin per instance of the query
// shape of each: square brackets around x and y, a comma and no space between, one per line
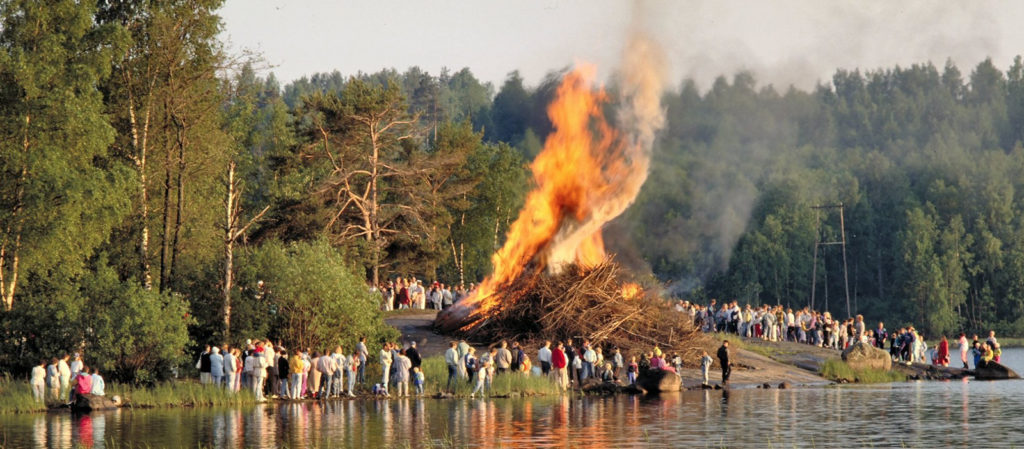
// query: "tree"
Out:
[318,300]
[60,191]
[361,134]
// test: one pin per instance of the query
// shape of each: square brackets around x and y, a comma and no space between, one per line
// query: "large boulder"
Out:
[89,402]
[993,371]
[861,355]
[656,381]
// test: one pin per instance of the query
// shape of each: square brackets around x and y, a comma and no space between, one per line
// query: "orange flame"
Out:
[631,290]
[586,175]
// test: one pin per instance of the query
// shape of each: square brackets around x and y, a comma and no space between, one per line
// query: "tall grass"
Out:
[16,397]
[435,372]
[180,394]
[836,369]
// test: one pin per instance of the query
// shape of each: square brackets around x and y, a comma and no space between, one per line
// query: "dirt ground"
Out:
[798,366]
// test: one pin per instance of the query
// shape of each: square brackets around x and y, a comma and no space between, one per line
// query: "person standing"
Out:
[259,372]
[589,360]
[451,358]
[363,355]
[504,359]
[53,379]
[354,367]
[723,359]
[76,365]
[38,381]
[544,357]
[65,377]
[327,367]
[403,372]
[705,366]
[418,380]
[463,349]
[295,373]
[230,368]
[338,382]
[559,364]
[385,367]
[618,363]
[414,356]
[963,349]
[216,366]
[204,366]
[942,352]
[481,366]
[283,368]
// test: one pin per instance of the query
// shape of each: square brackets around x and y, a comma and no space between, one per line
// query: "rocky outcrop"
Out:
[861,355]
[993,371]
[656,381]
[89,402]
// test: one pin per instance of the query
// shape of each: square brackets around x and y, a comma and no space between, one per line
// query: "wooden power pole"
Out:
[841,242]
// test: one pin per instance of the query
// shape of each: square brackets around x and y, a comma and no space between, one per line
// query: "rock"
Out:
[718,387]
[861,355]
[88,402]
[706,387]
[655,381]
[785,385]
[766,386]
[993,371]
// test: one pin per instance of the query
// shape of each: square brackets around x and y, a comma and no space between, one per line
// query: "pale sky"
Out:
[787,42]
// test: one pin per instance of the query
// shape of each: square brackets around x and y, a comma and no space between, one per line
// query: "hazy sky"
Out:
[782,42]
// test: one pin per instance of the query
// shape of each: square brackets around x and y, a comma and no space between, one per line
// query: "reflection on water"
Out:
[915,414]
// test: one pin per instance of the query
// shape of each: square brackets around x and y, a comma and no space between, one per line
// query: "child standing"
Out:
[418,380]
[705,365]
[632,370]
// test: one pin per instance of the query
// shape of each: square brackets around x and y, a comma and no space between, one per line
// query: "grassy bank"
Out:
[435,372]
[16,396]
[836,369]
[179,394]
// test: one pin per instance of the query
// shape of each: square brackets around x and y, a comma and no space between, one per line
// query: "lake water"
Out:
[923,414]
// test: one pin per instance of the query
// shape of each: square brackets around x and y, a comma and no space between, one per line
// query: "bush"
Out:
[313,298]
[135,335]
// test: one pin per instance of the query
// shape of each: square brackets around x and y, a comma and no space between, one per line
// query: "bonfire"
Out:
[553,278]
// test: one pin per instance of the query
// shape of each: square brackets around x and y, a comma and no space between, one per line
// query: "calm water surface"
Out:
[912,414]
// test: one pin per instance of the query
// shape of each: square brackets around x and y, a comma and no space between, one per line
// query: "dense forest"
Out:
[158,193]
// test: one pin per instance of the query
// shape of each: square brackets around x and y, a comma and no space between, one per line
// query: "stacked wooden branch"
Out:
[587,303]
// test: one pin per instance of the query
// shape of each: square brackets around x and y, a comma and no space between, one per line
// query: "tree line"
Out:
[158,193]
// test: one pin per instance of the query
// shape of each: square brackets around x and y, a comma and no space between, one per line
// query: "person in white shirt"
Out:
[451,358]
[98,386]
[385,366]
[544,357]
[38,381]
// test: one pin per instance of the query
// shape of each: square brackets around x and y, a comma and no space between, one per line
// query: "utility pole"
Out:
[841,242]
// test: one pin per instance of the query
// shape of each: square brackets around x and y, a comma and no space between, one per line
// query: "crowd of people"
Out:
[804,325]
[569,365]
[410,293]
[62,379]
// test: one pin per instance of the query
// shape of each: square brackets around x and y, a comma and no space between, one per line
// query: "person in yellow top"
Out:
[295,366]
[989,354]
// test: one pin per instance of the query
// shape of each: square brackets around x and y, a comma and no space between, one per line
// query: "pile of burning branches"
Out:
[592,303]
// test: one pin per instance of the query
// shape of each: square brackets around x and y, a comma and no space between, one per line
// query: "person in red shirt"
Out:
[559,363]
[942,353]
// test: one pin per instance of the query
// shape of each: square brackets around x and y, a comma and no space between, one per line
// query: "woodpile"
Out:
[582,303]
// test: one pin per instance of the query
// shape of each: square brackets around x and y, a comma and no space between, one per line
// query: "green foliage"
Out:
[180,394]
[435,374]
[134,334]
[315,299]
[836,369]
[60,192]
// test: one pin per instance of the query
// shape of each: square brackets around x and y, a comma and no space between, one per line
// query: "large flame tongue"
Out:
[587,174]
